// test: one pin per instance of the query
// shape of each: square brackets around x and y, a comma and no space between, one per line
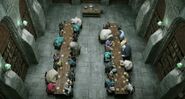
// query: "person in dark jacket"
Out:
[126,52]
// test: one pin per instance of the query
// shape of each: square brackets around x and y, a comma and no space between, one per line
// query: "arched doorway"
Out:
[24,13]
[62,1]
[173,50]
[10,51]
[158,15]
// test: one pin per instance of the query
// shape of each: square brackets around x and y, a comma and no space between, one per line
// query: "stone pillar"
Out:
[144,16]
[153,46]
[76,2]
[37,16]
[30,46]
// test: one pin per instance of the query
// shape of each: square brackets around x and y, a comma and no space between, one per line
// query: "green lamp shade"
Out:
[180,65]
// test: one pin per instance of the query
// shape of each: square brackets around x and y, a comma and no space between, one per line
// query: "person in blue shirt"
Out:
[121,34]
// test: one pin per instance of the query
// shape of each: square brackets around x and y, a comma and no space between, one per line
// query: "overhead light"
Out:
[25,23]
[160,23]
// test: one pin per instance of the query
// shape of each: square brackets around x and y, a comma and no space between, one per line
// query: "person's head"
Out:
[119,28]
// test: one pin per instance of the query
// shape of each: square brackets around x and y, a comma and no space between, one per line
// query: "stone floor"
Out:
[90,69]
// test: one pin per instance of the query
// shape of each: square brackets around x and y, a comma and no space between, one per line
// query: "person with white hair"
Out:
[129,88]
[127,64]
[76,20]
[105,34]
[75,48]
[51,76]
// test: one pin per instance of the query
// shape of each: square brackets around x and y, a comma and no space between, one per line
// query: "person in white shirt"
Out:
[76,20]
[127,65]
[51,76]
[129,88]
[105,34]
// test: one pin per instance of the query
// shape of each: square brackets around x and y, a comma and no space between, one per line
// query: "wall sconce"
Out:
[25,23]
[160,23]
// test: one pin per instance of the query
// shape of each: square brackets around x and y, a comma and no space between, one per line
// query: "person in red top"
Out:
[51,88]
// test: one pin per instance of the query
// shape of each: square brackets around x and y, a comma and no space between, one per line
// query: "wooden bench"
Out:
[65,53]
[91,11]
[120,79]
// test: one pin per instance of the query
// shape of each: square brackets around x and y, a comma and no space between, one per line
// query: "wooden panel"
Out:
[3,38]
[24,13]
[11,53]
[62,1]
[173,52]
[157,16]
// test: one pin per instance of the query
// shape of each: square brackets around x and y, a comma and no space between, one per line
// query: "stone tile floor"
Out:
[90,75]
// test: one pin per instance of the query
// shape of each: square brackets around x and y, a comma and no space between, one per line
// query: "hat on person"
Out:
[123,42]
[7,67]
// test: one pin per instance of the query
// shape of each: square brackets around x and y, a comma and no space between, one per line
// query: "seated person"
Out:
[107,56]
[113,71]
[58,42]
[126,51]
[129,88]
[51,88]
[51,76]
[127,65]
[77,20]
[111,89]
[56,57]
[71,62]
[109,82]
[57,64]
[108,44]
[108,67]
[121,34]
[75,48]
[61,26]
[105,34]
[67,89]
[71,75]
[76,29]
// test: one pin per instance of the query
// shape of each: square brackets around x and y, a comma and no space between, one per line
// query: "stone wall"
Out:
[37,15]
[136,4]
[172,84]
[173,10]
[12,10]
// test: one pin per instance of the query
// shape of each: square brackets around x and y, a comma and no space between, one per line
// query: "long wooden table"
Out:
[65,53]
[120,79]
[93,12]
